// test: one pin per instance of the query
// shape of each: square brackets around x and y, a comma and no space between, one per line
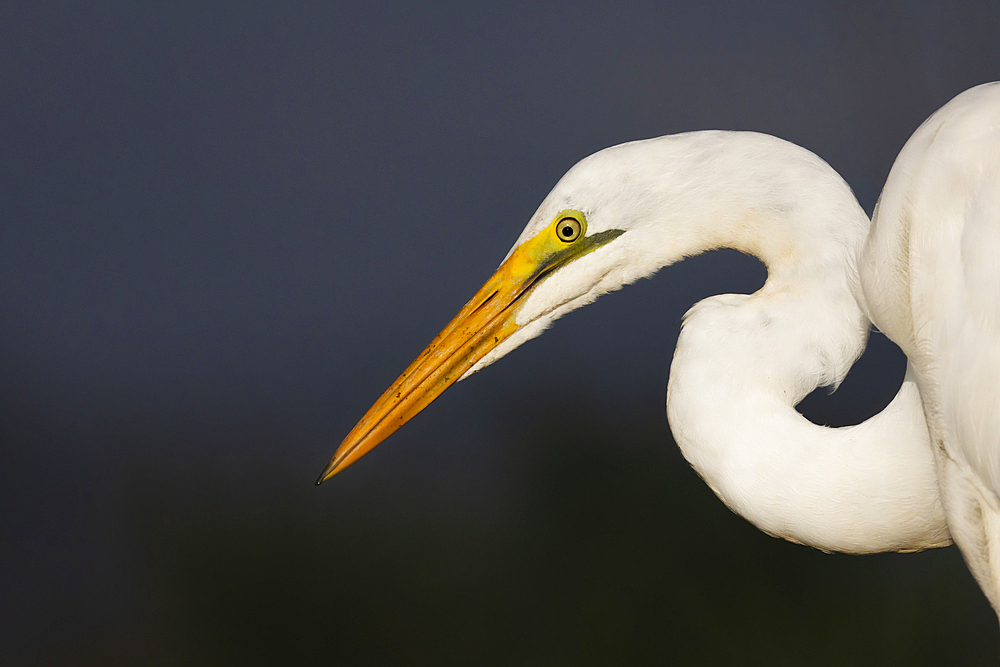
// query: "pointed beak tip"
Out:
[329,471]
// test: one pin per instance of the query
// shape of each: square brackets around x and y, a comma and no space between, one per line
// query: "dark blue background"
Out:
[226,227]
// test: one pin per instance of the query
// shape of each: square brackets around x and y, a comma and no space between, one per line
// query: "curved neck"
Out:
[741,365]
[743,362]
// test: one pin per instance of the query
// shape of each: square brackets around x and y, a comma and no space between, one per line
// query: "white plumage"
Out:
[931,277]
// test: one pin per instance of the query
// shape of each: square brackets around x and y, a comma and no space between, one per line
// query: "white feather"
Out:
[931,270]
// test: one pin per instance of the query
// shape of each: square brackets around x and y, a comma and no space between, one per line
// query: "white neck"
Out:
[743,362]
[858,489]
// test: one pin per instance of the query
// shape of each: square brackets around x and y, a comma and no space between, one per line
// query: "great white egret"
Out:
[927,274]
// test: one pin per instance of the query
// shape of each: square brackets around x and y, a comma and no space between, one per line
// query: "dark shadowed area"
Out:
[226,227]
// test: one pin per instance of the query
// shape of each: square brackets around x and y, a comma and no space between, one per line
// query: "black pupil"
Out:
[567,231]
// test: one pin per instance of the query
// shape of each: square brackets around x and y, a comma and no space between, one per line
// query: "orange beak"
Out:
[485,321]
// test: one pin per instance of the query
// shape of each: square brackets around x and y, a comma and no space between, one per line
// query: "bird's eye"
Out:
[568,229]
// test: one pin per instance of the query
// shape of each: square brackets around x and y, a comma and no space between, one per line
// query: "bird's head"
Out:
[561,261]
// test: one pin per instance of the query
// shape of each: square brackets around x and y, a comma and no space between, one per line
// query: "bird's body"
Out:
[742,361]
[931,277]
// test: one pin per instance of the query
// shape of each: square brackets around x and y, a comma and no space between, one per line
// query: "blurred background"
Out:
[226,227]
